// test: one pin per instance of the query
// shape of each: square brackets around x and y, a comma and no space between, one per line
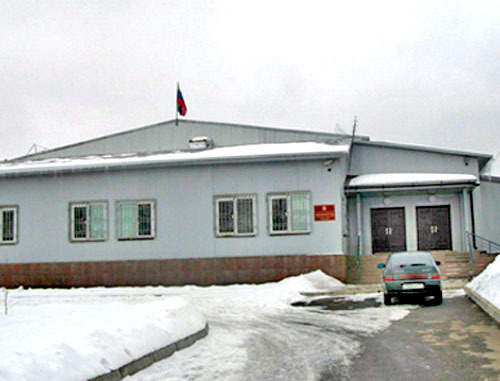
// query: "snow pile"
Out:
[487,284]
[290,289]
[316,281]
[79,338]
[274,295]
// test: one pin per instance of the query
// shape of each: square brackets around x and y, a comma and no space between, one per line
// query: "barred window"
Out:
[89,221]
[135,219]
[235,215]
[8,225]
[289,213]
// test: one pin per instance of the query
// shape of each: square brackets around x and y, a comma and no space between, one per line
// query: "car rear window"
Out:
[411,259]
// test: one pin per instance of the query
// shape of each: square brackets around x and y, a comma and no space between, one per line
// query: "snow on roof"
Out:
[245,153]
[409,179]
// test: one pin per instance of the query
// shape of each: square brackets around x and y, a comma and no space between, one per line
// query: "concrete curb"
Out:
[149,359]
[486,306]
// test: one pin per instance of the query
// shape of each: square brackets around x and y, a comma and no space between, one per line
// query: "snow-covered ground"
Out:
[487,284]
[255,333]
[81,333]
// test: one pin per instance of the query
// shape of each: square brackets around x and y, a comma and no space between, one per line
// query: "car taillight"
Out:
[436,276]
[388,279]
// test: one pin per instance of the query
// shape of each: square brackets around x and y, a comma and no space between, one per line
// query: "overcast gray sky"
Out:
[424,72]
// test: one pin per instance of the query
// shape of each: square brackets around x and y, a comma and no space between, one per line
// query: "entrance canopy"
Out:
[399,181]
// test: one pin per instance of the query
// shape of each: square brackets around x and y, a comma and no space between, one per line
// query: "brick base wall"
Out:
[200,271]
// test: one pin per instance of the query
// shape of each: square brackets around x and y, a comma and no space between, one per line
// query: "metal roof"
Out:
[222,155]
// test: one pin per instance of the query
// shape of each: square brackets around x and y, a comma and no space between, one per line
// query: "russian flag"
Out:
[181,105]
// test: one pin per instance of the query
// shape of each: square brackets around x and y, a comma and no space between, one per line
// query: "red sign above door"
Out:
[324,212]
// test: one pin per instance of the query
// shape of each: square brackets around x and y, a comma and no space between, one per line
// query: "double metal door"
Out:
[388,230]
[434,227]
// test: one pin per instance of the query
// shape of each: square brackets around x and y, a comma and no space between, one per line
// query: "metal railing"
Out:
[476,242]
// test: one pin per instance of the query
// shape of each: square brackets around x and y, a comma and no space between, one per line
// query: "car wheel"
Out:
[438,298]
[387,299]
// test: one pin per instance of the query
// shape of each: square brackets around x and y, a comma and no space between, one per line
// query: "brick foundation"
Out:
[199,271]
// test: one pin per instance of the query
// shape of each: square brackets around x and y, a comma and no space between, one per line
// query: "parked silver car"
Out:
[411,273]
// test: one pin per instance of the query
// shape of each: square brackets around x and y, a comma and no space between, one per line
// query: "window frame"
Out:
[136,237]
[287,196]
[87,205]
[234,199]
[15,209]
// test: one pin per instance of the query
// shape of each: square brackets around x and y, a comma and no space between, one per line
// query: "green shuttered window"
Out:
[289,213]
[89,221]
[136,219]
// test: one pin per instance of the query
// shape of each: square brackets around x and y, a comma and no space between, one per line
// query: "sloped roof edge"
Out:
[222,155]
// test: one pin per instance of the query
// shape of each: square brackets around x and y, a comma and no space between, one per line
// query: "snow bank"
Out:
[81,333]
[79,337]
[487,284]
[316,281]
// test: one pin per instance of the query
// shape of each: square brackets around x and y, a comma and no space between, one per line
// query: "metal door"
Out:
[434,227]
[388,230]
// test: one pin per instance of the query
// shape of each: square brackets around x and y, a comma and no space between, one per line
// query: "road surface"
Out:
[453,341]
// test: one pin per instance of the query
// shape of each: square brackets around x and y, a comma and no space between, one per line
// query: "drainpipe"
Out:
[466,222]
[359,243]
[473,220]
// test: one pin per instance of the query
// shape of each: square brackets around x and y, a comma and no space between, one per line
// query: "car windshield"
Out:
[411,260]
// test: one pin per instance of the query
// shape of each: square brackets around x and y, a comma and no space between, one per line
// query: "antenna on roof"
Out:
[339,129]
[36,148]
[351,147]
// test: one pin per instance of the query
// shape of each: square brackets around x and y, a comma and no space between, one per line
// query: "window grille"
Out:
[88,221]
[235,215]
[8,225]
[136,219]
[289,212]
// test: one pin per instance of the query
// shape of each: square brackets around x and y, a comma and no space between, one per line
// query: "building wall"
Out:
[487,210]
[374,159]
[184,212]
[410,203]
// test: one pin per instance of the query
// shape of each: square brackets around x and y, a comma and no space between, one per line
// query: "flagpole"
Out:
[176,106]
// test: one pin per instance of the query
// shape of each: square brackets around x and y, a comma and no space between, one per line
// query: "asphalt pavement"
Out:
[453,341]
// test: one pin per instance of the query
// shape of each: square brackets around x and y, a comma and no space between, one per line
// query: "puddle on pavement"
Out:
[340,303]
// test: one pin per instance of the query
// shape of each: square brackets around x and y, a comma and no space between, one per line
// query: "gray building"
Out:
[218,203]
